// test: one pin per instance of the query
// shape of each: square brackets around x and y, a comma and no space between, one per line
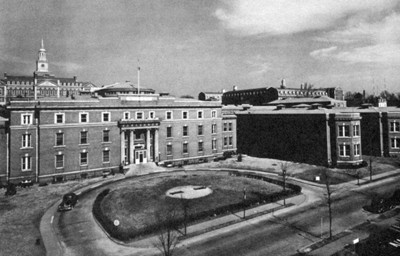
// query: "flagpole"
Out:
[138,77]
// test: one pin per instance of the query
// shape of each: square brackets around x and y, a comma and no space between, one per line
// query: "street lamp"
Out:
[284,186]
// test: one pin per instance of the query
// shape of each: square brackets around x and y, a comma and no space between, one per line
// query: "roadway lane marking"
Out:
[52,218]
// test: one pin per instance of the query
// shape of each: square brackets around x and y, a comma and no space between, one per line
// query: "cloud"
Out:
[323,53]
[259,66]
[67,66]
[274,17]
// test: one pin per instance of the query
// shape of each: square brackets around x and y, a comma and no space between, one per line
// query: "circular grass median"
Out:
[136,204]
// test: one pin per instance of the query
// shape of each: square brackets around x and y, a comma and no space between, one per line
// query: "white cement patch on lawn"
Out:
[189,192]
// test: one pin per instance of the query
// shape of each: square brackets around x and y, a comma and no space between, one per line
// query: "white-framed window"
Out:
[84,137]
[152,114]
[394,126]
[26,162]
[395,142]
[26,140]
[344,130]
[185,149]
[127,115]
[357,149]
[230,126]
[59,118]
[26,119]
[83,117]
[106,155]
[185,130]
[200,129]
[59,160]
[214,144]
[169,149]
[213,128]
[200,114]
[59,138]
[213,113]
[139,115]
[185,115]
[225,126]
[106,135]
[230,140]
[356,130]
[200,146]
[168,115]
[344,150]
[169,131]
[84,157]
[225,141]
[105,116]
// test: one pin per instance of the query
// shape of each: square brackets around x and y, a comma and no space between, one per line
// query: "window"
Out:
[394,126]
[214,144]
[59,161]
[26,163]
[59,118]
[151,115]
[357,149]
[106,117]
[230,127]
[127,115]
[344,150]
[185,115]
[169,149]
[213,114]
[356,130]
[185,131]
[106,156]
[200,114]
[139,115]
[225,141]
[106,136]
[395,142]
[84,158]
[26,119]
[169,132]
[59,139]
[185,148]
[344,130]
[200,146]
[200,130]
[213,128]
[26,140]
[225,127]
[83,117]
[84,137]
[168,115]
[230,141]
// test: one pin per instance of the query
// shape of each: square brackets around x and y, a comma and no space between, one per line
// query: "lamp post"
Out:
[284,186]
[244,203]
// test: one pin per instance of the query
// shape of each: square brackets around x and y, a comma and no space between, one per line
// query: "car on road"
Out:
[68,202]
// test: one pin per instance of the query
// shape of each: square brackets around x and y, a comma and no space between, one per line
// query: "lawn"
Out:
[20,216]
[136,205]
[305,171]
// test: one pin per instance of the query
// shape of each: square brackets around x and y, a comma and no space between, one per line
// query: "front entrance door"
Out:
[140,156]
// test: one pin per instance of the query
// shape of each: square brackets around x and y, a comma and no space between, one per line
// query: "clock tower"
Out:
[42,66]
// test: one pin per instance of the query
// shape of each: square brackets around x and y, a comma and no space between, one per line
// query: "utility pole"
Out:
[244,203]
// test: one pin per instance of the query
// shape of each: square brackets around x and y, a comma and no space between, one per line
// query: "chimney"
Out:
[5,75]
[223,90]
[74,78]
[235,88]
[301,86]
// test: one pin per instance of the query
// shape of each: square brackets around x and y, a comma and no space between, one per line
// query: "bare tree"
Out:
[284,167]
[329,192]
[167,235]
[370,167]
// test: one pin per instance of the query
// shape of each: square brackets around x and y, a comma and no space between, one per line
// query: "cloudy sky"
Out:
[188,46]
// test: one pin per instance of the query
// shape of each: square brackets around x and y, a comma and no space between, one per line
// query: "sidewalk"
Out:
[213,227]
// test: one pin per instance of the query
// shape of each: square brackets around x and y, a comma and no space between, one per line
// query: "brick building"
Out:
[336,136]
[65,138]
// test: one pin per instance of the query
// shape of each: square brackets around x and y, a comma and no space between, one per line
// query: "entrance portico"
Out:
[139,141]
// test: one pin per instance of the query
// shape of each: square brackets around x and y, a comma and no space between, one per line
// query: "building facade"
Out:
[41,84]
[66,138]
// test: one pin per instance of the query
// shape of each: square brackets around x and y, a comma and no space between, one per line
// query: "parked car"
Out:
[380,205]
[219,158]
[26,183]
[69,201]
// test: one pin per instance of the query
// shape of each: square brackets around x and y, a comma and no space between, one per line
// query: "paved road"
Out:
[80,234]
[289,232]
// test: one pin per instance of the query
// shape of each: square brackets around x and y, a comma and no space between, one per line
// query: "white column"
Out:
[131,146]
[122,146]
[148,144]
[156,145]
